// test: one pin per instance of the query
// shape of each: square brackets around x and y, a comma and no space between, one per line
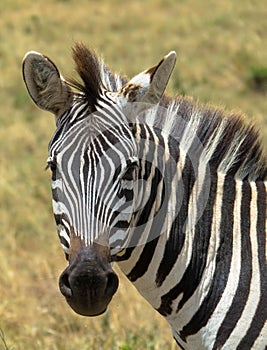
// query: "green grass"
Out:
[257,78]
[217,44]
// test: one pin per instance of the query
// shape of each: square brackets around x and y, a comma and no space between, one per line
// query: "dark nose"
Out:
[88,287]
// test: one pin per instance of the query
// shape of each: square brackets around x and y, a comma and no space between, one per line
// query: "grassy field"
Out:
[220,46]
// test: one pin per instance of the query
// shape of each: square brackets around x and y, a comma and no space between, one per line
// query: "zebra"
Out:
[171,190]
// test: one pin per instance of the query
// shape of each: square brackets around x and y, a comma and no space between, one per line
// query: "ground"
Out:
[219,46]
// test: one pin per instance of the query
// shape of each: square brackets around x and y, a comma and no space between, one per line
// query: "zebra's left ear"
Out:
[149,86]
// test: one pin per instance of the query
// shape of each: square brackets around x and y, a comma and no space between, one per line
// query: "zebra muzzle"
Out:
[88,283]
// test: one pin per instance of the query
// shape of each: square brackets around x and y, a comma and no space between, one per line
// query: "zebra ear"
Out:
[44,83]
[149,86]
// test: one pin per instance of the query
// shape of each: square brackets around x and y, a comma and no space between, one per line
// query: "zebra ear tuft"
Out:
[44,83]
[150,85]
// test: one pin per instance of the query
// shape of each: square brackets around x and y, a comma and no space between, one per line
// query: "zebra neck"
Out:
[167,238]
[177,197]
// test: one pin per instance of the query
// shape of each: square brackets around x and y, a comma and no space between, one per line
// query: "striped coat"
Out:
[174,191]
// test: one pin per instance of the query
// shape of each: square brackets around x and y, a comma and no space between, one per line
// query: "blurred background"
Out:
[222,59]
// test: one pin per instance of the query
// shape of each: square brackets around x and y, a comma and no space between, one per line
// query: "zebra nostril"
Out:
[64,285]
[112,284]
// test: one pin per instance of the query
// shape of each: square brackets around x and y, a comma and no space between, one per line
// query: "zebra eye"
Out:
[51,164]
[130,172]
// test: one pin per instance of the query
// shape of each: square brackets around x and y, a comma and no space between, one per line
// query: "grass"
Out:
[217,44]
[257,78]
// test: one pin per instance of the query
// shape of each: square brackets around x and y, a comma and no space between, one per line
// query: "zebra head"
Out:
[95,164]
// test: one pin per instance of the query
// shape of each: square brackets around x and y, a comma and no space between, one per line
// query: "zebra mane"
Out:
[94,74]
[230,145]
[88,68]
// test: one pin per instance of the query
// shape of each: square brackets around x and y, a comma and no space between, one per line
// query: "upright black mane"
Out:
[89,69]
[238,144]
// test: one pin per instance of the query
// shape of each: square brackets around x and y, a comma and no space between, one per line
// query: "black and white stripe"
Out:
[181,193]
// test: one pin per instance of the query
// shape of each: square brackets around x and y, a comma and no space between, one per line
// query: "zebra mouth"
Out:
[88,286]
[88,295]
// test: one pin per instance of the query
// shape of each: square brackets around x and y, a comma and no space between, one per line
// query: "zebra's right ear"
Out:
[44,83]
[149,86]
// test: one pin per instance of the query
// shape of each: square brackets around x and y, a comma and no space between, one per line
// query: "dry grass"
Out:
[217,44]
